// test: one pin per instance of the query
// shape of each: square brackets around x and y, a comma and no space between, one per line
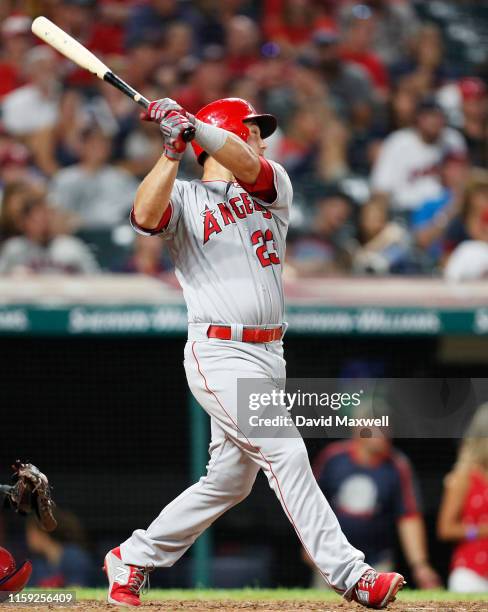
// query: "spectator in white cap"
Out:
[34,107]
[16,40]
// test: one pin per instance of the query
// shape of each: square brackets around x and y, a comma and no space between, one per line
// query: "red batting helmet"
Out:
[231,114]
[12,580]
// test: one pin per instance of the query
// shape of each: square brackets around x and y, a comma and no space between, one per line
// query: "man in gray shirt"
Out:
[95,193]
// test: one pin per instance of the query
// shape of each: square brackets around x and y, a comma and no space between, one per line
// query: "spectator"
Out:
[402,107]
[34,107]
[372,490]
[143,59]
[364,145]
[30,113]
[60,559]
[384,245]
[277,78]
[463,514]
[208,83]
[15,159]
[39,250]
[324,250]
[83,20]
[149,257]
[141,149]
[178,43]
[475,119]
[407,167]
[298,149]
[242,45]
[396,22]
[95,193]
[359,28]
[348,85]
[430,220]
[16,41]
[425,67]
[289,22]
[148,21]
[11,211]
[470,259]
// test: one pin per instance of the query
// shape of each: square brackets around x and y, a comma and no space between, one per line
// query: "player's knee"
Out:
[293,460]
[244,490]
[231,487]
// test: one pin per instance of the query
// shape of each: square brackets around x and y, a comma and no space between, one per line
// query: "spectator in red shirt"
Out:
[242,45]
[463,516]
[358,36]
[16,41]
[209,82]
[289,22]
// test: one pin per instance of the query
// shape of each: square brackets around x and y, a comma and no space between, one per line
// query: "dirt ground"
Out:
[263,606]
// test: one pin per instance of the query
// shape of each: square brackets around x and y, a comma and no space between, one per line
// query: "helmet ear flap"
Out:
[15,582]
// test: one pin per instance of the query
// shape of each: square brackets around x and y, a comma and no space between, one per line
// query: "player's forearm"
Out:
[239,158]
[153,195]
[229,150]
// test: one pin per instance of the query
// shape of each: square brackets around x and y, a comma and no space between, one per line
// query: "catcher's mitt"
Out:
[31,493]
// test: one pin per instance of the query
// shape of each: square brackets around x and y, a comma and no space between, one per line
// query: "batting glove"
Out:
[158,109]
[173,126]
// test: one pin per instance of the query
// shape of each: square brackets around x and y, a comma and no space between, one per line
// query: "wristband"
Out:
[471,533]
[210,137]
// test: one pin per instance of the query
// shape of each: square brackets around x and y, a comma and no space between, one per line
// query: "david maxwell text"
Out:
[333,420]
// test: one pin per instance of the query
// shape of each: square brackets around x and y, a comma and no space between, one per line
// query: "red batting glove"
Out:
[158,109]
[173,126]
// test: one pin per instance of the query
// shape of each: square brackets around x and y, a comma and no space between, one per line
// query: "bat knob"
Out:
[189,134]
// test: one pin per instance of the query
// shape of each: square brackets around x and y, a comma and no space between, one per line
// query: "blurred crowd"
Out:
[383,115]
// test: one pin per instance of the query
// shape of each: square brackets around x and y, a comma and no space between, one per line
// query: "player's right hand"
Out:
[172,126]
[158,109]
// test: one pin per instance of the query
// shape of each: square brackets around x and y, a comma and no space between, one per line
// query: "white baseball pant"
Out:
[213,368]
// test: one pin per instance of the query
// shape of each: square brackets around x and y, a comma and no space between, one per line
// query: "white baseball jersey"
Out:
[408,168]
[228,249]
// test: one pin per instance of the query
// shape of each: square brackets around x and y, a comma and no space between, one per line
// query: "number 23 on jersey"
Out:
[266,256]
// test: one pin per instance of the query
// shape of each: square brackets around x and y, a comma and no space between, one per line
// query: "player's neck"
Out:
[213,171]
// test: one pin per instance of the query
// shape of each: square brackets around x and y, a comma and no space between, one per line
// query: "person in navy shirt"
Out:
[371,488]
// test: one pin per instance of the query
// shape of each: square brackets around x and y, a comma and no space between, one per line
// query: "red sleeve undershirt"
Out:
[264,186]
[163,224]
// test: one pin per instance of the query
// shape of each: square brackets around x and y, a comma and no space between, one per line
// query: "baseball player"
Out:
[226,234]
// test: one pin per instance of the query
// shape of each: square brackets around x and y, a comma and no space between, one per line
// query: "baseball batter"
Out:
[226,233]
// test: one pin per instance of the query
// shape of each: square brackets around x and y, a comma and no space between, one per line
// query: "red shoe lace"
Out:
[367,579]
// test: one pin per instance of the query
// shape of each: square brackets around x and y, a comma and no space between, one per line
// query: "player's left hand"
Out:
[173,126]
[425,577]
[158,109]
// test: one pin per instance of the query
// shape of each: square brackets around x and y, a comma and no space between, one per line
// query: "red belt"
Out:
[249,334]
